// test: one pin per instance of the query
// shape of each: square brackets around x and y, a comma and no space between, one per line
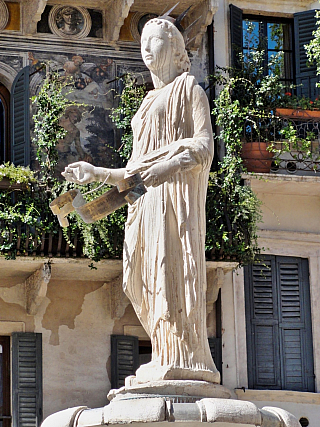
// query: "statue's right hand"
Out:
[80,173]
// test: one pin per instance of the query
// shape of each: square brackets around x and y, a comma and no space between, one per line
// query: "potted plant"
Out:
[292,106]
[253,94]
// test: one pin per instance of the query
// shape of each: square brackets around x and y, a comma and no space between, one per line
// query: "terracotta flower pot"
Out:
[298,113]
[256,157]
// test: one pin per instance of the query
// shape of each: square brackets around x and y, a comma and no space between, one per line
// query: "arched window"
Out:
[5,153]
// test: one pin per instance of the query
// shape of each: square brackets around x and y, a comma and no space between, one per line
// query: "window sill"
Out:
[278,396]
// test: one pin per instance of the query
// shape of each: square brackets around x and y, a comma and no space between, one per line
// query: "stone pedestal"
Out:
[186,403]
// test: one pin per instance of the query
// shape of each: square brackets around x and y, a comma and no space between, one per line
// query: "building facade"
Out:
[68,333]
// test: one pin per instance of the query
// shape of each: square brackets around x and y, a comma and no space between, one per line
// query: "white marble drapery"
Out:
[164,260]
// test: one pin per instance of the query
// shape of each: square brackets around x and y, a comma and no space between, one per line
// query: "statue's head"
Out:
[162,45]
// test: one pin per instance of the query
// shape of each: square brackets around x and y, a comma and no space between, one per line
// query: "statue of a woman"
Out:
[164,271]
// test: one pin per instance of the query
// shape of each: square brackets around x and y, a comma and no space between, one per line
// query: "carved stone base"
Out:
[157,411]
[183,391]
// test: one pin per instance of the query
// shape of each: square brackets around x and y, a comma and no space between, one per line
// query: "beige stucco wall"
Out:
[76,317]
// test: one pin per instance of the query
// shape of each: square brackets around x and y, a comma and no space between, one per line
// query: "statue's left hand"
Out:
[159,173]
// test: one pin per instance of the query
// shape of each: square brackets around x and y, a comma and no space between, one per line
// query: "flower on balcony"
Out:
[289,100]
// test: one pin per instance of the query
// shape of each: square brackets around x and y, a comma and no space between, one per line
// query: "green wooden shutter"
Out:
[124,358]
[26,379]
[295,324]
[215,345]
[278,318]
[262,328]
[236,34]
[20,119]
[304,25]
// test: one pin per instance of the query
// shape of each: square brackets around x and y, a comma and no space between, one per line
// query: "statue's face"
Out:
[156,47]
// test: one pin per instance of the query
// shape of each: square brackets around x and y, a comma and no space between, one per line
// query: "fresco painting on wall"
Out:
[90,131]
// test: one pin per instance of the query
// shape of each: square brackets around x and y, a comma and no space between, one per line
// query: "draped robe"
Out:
[164,259]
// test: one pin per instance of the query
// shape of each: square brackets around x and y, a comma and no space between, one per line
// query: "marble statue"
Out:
[164,271]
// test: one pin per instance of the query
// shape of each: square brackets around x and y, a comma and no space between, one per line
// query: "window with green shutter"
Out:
[26,379]
[306,77]
[20,119]
[278,319]
[276,34]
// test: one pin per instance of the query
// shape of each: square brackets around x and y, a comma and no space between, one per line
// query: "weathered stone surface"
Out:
[64,418]
[287,419]
[232,411]
[36,288]
[177,390]
[136,410]
[157,411]
[32,14]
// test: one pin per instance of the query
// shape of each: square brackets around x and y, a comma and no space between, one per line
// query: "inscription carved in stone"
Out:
[70,22]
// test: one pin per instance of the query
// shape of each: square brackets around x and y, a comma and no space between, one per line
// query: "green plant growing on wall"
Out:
[233,210]
[130,100]
[313,48]
[51,102]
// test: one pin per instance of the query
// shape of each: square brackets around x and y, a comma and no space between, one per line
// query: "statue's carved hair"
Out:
[181,58]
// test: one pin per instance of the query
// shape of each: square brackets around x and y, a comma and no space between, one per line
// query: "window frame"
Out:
[266,19]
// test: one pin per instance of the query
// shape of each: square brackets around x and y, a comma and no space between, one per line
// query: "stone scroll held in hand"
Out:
[127,190]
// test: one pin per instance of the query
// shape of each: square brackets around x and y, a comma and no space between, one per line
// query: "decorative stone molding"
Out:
[32,11]
[205,10]
[115,16]
[70,22]
[36,288]
[134,23]
[4,15]
[7,75]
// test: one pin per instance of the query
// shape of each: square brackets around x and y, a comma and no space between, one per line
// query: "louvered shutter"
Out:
[124,358]
[236,34]
[27,379]
[20,119]
[216,352]
[262,328]
[278,318]
[295,324]
[306,77]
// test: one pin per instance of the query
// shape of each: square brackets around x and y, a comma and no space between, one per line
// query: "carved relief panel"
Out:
[70,22]
[4,15]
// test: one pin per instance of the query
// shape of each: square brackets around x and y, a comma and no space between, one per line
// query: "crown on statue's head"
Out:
[177,22]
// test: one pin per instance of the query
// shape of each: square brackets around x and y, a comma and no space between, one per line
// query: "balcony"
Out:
[286,144]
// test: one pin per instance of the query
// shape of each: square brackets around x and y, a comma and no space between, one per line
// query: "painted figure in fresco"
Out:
[69,20]
[69,120]
[164,270]
[73,68]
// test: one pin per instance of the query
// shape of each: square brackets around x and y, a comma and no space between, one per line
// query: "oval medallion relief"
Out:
[4,15]
[70,22]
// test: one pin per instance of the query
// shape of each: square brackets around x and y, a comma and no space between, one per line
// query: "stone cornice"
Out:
[20,43]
